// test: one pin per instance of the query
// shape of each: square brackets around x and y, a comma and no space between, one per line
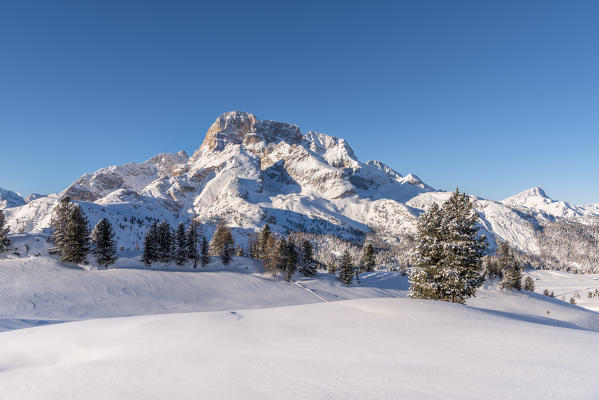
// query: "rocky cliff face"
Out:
[248,172]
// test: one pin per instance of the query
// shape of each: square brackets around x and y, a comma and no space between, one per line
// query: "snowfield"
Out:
[233,332]
[359,349]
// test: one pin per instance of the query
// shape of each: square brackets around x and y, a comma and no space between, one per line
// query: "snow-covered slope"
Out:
[358,349]
[9,198]
[249,172]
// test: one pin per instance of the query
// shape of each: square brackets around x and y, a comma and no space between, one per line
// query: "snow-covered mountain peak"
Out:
[244,128]
[8,198]
[529,198]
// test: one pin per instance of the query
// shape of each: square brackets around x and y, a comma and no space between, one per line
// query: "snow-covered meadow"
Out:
[235,332]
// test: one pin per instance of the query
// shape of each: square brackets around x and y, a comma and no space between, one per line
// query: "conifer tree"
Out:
[368,263]
[191,243]
[510,268]
[346,268]
[263,240]
[150,252]
[282,265]
[270,257]
[5,241]
[165,242]
[529,284]
[291,261]
[103,244]
[228,248]
[181,253]
[75,240]
[307,262]
[58,223]
[448,252]
[205,256]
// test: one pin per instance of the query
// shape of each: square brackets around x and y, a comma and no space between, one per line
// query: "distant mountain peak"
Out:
[239,127]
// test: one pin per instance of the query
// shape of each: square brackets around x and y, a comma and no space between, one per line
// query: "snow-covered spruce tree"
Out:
[270,257]
[263,240]
[346,268]
[5,241]
[58,223]
[367,262]
[291,262]
[74,245]
[103,245]
[165,242]
[282,265]
[204,252]
[181,253]
[529,284]
[222,243]
[448,252]
[150,253]
[191,243]
[307,263]
[510,268]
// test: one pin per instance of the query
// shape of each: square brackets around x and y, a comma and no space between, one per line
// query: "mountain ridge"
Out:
[249,172]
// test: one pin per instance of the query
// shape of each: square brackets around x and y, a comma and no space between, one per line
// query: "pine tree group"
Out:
[448,252]
[103,245]
[70,232]
[5,241]
[150,252]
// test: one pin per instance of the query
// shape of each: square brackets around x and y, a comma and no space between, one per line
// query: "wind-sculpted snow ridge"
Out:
[249,172]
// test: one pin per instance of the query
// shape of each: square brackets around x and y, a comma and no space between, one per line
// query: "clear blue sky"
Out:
[493,96]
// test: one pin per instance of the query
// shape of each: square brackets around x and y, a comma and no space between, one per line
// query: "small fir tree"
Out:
[165,242]
[307,263]
[191,243]
[150,252]
[368,263]
[512,277]
[529,284]
[5,241]
[346,268]
[103,244]
[181,253]
[291,262]
[204,252]
[263,240]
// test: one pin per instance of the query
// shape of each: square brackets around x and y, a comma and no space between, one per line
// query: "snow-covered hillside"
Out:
[248,172]
[358,349]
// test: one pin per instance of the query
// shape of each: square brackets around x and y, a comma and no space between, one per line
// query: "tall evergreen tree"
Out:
[58,223]
[307,263]
[103,244]
[283,255]
[270,257]
[205,256]
[74,245]
[346,268]
[191,243]
[448,252]
[291,262]
[222,243]
[5,241]
[181,253]
[150,252]
[368,263]
[165,242]
[228,248]
[263,240]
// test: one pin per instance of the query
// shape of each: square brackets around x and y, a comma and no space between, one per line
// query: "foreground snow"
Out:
[359,349]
